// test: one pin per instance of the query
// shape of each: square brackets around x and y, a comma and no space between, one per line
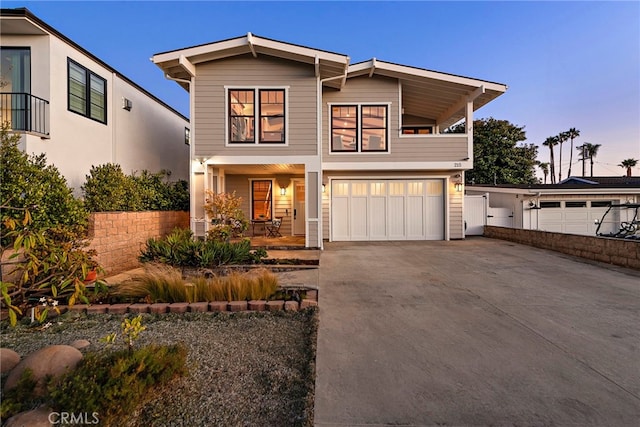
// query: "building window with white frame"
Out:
[257,116]
[261,199]
[359,128]
[87,92]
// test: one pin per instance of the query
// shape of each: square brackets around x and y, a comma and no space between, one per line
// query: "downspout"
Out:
[320,83]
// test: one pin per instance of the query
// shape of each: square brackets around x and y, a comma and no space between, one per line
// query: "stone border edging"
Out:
[185,307]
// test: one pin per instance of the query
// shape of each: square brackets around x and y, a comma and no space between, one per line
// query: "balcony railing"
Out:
[24,112]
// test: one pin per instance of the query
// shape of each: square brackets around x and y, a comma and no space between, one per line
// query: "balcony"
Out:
[25,113]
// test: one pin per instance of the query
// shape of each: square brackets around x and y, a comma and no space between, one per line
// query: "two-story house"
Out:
[340,151]
[79,111]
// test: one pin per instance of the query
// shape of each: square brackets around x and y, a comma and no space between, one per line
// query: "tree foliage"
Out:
[499,154]
[107,189]
[27,182]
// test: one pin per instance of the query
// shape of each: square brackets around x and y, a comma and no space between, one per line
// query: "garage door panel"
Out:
[573,216]
[387,209]
[397,214]
[358,218]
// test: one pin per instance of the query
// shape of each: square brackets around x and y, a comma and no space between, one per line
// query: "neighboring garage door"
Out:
[387,209]
[571,216]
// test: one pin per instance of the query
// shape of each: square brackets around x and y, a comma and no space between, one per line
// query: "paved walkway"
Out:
[474,332]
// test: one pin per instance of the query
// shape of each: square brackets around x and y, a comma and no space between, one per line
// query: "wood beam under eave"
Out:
[187,66]
[373,67]
[317,65]
[460,104]
[251,46]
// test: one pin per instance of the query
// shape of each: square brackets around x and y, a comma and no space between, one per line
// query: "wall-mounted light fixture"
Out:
[457,181]
[283,191]
[324,188]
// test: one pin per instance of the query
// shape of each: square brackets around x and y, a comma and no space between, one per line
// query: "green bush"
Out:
[107,188]
[28,182]
[20,398]
[180,249]
[113,385]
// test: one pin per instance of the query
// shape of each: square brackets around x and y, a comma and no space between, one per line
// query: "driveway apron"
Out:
[474,332]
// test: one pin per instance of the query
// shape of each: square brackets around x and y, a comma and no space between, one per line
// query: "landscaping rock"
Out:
[179,307]
[237,306]
[53,361]
[275,305]
[218,306]
[199,307]
[97,309]
[35,418]
[79,307]
[80,344]
[291,306]
[308,303]
[257,305]
[159,308]
[139,308]
[118,308]
[8,359]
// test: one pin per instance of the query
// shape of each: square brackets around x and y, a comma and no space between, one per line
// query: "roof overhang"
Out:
[431,94]
[181,64]
[555,191]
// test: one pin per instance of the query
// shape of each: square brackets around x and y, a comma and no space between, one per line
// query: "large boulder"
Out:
[40,417]
[52,361]
[8,359]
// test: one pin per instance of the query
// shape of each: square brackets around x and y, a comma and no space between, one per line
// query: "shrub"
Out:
[28,182]
[227,217]
[165,284]
[107,188]
[20,398]
[180,249]
[113,385]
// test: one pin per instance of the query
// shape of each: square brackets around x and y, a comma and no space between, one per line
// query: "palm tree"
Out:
[562,138]
[628,164]
[591,151]
[551,142]
[545,170]
[573,133]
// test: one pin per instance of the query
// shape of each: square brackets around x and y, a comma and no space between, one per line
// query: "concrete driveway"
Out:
[475,332]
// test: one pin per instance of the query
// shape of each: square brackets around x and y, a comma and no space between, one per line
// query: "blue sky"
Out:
[567,64]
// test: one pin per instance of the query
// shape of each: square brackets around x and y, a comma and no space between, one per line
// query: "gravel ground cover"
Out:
[245,369]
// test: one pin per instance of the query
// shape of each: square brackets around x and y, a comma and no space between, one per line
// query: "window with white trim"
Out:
[359,128]
[257,116]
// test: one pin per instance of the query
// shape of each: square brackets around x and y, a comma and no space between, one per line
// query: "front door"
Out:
[298,208]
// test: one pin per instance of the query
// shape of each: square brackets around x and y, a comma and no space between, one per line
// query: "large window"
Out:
[262,125]
[261,198]
[15,85]
[87,92]
[360,128]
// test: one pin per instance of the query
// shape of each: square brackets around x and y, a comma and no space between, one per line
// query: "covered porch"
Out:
[274,200]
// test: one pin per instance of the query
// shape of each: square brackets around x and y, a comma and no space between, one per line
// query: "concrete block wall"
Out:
[118,237]
[625,253]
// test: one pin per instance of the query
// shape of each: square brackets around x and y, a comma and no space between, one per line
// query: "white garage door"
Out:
[571,216]
[387,209]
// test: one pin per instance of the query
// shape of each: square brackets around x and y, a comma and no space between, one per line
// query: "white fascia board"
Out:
[261,160]
[201,50]
[251,46]
[411,71]
[187,65]
[299,50]
[426,166]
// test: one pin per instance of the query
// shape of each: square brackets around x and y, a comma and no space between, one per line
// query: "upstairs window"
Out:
[87,92]
[359,128]
[257,116]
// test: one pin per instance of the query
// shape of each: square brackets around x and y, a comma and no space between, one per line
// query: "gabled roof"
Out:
[432,94]
[179,63]
[21,21]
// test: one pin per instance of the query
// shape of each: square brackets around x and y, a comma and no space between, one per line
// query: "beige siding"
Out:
[434,148]
[247,71]
[456,211]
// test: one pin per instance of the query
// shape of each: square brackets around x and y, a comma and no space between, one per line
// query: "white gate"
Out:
[475,215]
[500,217]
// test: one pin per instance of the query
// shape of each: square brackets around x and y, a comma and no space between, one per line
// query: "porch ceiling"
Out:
[271,169]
